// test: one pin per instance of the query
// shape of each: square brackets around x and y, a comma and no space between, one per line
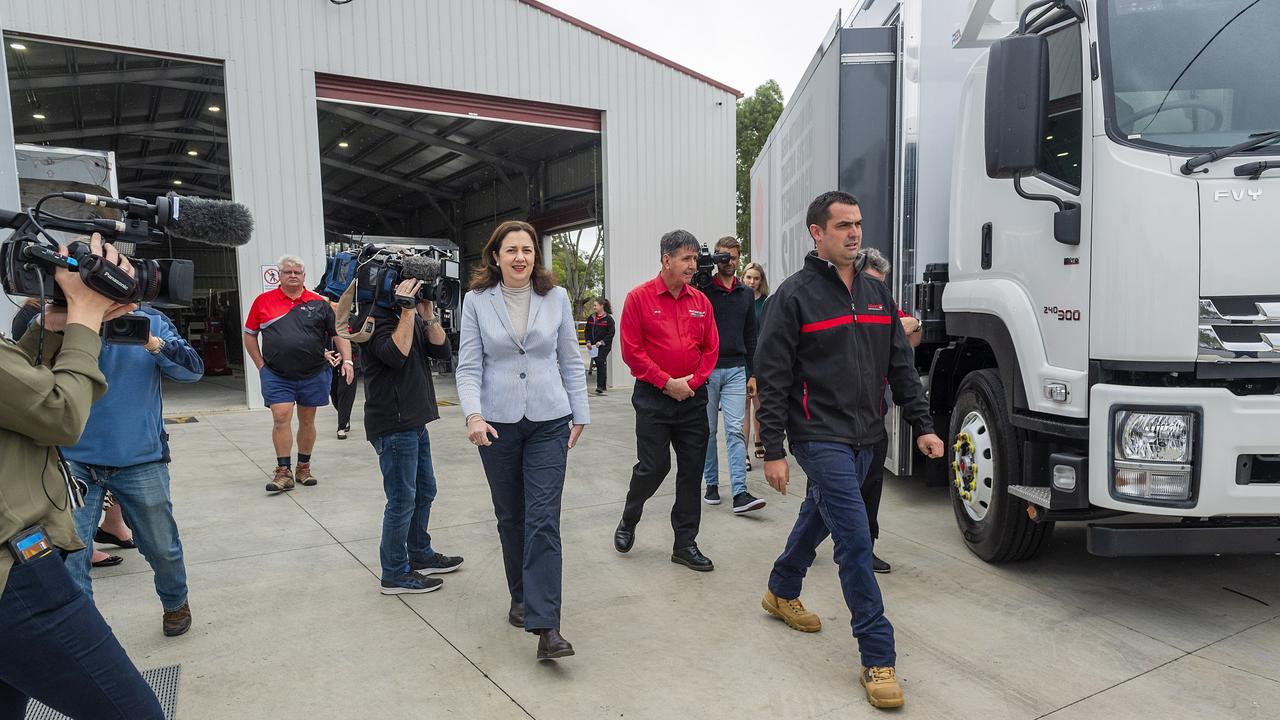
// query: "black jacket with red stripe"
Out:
[823,357]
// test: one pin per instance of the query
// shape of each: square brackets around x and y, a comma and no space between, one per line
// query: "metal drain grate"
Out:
[163,680]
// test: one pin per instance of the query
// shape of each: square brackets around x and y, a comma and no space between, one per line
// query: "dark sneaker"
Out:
[283,480]
[342,433]
[599,391]
[178,621]
[745,502]
[713,495]
[436,564]
[304,476]
[879,565]
[411,583]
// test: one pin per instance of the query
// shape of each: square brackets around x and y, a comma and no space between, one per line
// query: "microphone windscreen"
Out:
[421,267]
[215,222]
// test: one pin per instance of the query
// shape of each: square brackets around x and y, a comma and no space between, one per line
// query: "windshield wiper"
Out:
[1255,169]
[1255,140]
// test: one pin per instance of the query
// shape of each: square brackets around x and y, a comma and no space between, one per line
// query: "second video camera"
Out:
[707,262]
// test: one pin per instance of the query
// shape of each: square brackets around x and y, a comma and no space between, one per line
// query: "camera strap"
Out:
[345,314]
[75,488]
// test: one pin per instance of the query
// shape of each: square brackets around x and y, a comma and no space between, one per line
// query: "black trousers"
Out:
[525,467]
[873,484]
[663,424]
[343,397]
[602,369]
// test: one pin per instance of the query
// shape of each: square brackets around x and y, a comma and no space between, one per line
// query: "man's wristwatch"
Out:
[348,362]
[159,347]
[433,321]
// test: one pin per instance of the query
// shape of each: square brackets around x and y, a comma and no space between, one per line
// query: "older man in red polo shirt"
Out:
[670,343]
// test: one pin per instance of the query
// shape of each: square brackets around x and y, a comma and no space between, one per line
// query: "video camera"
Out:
[381,268]
[29,257]
[707,262]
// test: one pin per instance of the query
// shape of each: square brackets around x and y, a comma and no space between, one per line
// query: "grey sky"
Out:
[741,43]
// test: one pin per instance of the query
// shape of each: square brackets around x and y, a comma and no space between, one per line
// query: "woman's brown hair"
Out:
[488,274]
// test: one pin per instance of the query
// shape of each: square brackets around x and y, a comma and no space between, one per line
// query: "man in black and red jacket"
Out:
[828,340]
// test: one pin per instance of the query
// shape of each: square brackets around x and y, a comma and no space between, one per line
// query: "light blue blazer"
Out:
[541,379]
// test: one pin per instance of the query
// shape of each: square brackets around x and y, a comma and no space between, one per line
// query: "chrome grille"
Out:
[1239,329]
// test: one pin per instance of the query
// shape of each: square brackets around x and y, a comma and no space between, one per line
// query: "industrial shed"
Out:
[390,118]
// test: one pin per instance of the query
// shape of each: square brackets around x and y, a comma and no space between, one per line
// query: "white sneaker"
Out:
[342,433]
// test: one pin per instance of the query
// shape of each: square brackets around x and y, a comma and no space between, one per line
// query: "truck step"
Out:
[1035,495]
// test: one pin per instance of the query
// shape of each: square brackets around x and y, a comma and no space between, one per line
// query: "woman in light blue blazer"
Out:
[524,393]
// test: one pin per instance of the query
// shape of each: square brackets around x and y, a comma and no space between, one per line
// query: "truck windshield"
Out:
[1191,75]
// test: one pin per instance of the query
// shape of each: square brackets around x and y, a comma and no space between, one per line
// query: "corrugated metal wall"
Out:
[668,137]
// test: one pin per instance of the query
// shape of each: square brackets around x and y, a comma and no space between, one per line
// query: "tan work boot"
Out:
[304,476]
[791,612]
[282,481]
[881,684]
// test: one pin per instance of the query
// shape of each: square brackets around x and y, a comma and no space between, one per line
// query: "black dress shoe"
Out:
[623,538]
[693,559]
[552,645]
[106,538]
[515,615]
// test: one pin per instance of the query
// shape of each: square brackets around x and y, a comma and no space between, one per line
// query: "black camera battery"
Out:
[30,544]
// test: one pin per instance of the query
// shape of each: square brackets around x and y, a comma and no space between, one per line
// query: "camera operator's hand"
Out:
[407,289]
[85,306]
[478,432]
[678,388]
[427,310]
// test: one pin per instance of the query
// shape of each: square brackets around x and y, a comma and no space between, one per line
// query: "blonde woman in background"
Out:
[753,277]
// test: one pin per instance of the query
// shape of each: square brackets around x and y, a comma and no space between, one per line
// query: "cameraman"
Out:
[125,450]
[57,647]
[399,402]
[733,305]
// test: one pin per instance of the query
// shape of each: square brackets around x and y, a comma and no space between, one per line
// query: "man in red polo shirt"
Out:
[296,326]
[670,343]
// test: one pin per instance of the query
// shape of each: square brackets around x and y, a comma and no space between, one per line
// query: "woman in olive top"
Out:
[754,278]
[57,647]
[524,393]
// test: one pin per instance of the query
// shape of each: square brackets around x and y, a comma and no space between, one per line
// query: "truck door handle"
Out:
[986,246]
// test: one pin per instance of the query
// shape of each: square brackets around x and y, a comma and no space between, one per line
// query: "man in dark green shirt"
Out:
[57,647]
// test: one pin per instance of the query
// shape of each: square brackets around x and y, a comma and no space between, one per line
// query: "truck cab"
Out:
[1111,300]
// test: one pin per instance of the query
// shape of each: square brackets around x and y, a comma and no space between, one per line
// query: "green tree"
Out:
[757,115]
[579,269]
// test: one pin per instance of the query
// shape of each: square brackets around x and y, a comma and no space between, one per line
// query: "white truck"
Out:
[1081,201]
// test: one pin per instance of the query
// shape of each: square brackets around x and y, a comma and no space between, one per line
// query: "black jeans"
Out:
[873,484]
[602,369]
[58,650]
[525,467]
[663,424]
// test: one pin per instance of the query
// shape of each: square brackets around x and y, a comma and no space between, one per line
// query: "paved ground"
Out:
[289,622]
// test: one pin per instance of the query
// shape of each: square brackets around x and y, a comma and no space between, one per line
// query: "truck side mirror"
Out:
[1017,107]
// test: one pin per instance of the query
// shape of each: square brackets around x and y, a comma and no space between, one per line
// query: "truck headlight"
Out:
[1149,481]
[1154,437]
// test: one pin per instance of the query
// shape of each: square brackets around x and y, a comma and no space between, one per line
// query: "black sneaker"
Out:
[436,564]
[745,502]
[713,495]
[411,583]
[879,565]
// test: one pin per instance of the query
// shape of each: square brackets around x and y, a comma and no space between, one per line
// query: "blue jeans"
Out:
[525,467]
[410,485]
[59,650]
[143,494]
[833,506]
[727,392]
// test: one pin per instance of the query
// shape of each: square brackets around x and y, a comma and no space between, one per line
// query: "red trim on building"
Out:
[452,102]
[826,324]
[630,46]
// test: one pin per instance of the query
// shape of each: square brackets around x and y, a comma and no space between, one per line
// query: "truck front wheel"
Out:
[985,455]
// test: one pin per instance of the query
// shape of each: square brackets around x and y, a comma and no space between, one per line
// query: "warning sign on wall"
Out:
[270,277]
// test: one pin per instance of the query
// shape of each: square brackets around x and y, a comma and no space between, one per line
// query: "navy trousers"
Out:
[525,467]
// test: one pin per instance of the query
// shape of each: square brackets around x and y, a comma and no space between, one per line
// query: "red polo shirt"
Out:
[665,337]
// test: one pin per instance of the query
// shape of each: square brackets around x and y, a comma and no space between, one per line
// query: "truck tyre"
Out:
[984,455]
